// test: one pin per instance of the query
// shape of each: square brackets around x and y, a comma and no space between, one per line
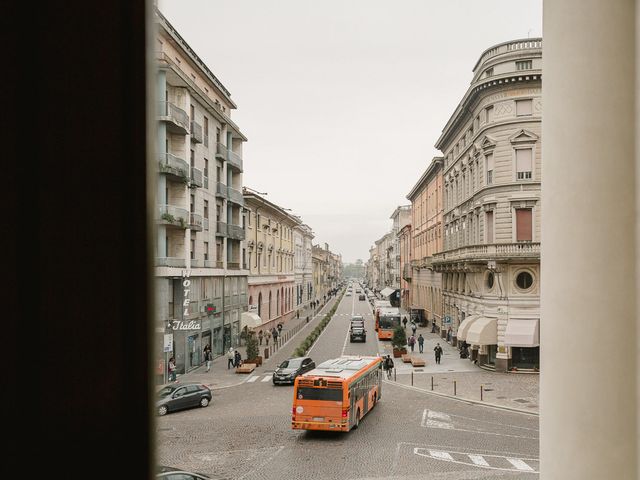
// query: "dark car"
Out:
[171,473]
[357,332]
[290,369]
[179,396]
[362,297]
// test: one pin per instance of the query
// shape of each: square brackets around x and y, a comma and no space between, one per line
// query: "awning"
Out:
[250,320]
[483,331]
[522,333]
[387,291]
[463,329]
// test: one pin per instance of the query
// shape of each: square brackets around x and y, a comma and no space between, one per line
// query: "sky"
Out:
[343,101]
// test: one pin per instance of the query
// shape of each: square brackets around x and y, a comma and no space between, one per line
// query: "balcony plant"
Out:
[167,217]
[398,341]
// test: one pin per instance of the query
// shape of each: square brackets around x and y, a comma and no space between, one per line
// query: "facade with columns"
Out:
[201,282]
[490,263]
[270,258]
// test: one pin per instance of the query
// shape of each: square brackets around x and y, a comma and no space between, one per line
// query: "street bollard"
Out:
[412,379]
[432,383]
[480,392]
[454,388]
[394,375]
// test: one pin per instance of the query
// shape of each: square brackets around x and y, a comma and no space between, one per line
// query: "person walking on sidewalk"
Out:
[260,336]
[388,366]
[231,358]
[411,342]
[274,334]
[207,357]
[404,322]
[413,328]
[237,359]
[421,343]
[280,328]
[438,352]
[172,369]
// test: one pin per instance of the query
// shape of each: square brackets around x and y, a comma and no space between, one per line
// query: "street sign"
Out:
[446,320]
[168,342]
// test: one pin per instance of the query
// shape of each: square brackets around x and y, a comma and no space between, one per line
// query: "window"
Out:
[523,163]
[524,65]
[489,226]
[524,280]
[524,225]
[206,168]
[524,107]
[206,250]
[193,248]
[489,165]
[193,158]
[193,203]
[488,114]
[488,72]
[192,113]
[206,127]
[206,209]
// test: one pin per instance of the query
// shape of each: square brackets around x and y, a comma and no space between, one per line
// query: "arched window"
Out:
[260,304]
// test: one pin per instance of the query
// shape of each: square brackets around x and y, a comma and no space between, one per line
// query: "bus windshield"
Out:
[389,321]
[310,393]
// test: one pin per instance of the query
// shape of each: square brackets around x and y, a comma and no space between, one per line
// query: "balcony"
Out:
[235,196]
[174,166]
[407,272]
[235,160]
[172,215]
[221,151]
[221,229]
[233,265]
[176,118]
[494,251]
[195,222]
[171,262]
[196,263]
[221,190]
[196,133]
[195,180]
[235,232]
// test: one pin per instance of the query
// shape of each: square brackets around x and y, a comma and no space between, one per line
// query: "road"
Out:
[246,432]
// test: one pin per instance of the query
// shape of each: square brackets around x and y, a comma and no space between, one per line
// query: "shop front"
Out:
[523,337]
[483,334]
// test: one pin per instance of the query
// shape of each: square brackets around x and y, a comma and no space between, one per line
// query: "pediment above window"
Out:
[487,143]
[523,136]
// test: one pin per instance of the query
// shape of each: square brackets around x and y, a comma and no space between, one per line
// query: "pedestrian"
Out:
[438,352]
[237,359]
[231,358]
[274,334]
[413,328]
[421,343]
[388,365]
[404,322]
[279,328]
[411,342]
[172,369]
[266,338]
[433,326]
[207,356]
[260,336]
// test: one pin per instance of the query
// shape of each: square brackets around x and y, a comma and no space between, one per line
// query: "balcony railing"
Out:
[494,251]
[196,178]
[172,215]
[196,132]
[172,165]
[177,119]
[221,229]
[170,262]
[235,160]
[195,222]
[197,263]
[219,264]
[235,232]
[221,190]
[221,151]
[233,265]
[235,196]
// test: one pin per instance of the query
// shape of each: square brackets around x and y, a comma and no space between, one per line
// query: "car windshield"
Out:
[291,363]
[166,391]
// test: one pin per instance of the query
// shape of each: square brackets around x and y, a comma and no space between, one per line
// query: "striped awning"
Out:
[464,327]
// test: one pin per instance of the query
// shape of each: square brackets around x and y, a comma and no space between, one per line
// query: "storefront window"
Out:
[525,357]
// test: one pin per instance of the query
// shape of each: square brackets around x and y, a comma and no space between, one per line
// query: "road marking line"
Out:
[478,460]
[266,379]
[437,424]
[439,415]
[424,418]
[520,465]
[252,379]
[440,455]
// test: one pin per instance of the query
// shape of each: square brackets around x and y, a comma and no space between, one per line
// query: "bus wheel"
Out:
[375,400]
[357,424]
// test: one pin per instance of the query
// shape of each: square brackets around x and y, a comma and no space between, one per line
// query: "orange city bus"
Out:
[377,305]
[336,394]
[387,319]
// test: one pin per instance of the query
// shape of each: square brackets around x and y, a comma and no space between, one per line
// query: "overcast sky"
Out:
[342,101]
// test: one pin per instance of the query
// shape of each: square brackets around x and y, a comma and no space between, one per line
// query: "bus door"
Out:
[352,406]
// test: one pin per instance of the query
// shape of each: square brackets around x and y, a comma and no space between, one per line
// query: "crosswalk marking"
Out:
[440,455]
[520,465]
[266,379]
[439,415]
[252,379]
[479,460]
[437,424]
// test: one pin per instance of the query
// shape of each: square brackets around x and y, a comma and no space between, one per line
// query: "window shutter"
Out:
[523,160]
[489,161]
[523,225]
[489,220]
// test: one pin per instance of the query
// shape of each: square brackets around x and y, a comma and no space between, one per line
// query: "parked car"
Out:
[362,297]
[357,332]
[171,473]
[291,368]
[180,396]
[348,294]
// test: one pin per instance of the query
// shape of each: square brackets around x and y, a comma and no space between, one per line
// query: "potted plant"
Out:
[398,341]
[252,350]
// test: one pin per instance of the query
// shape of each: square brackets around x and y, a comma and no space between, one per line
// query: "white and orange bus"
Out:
[336,394]
[387,319]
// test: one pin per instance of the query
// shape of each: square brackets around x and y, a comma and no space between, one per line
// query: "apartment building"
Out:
[270,258]
[302,239]
[490,263]
[401,217]
[426,240]
[201,284]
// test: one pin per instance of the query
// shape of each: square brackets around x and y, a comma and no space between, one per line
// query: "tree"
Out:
[399,339]
[252,346]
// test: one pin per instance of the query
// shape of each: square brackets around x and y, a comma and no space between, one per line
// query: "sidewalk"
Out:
[508,390]
[293,333]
